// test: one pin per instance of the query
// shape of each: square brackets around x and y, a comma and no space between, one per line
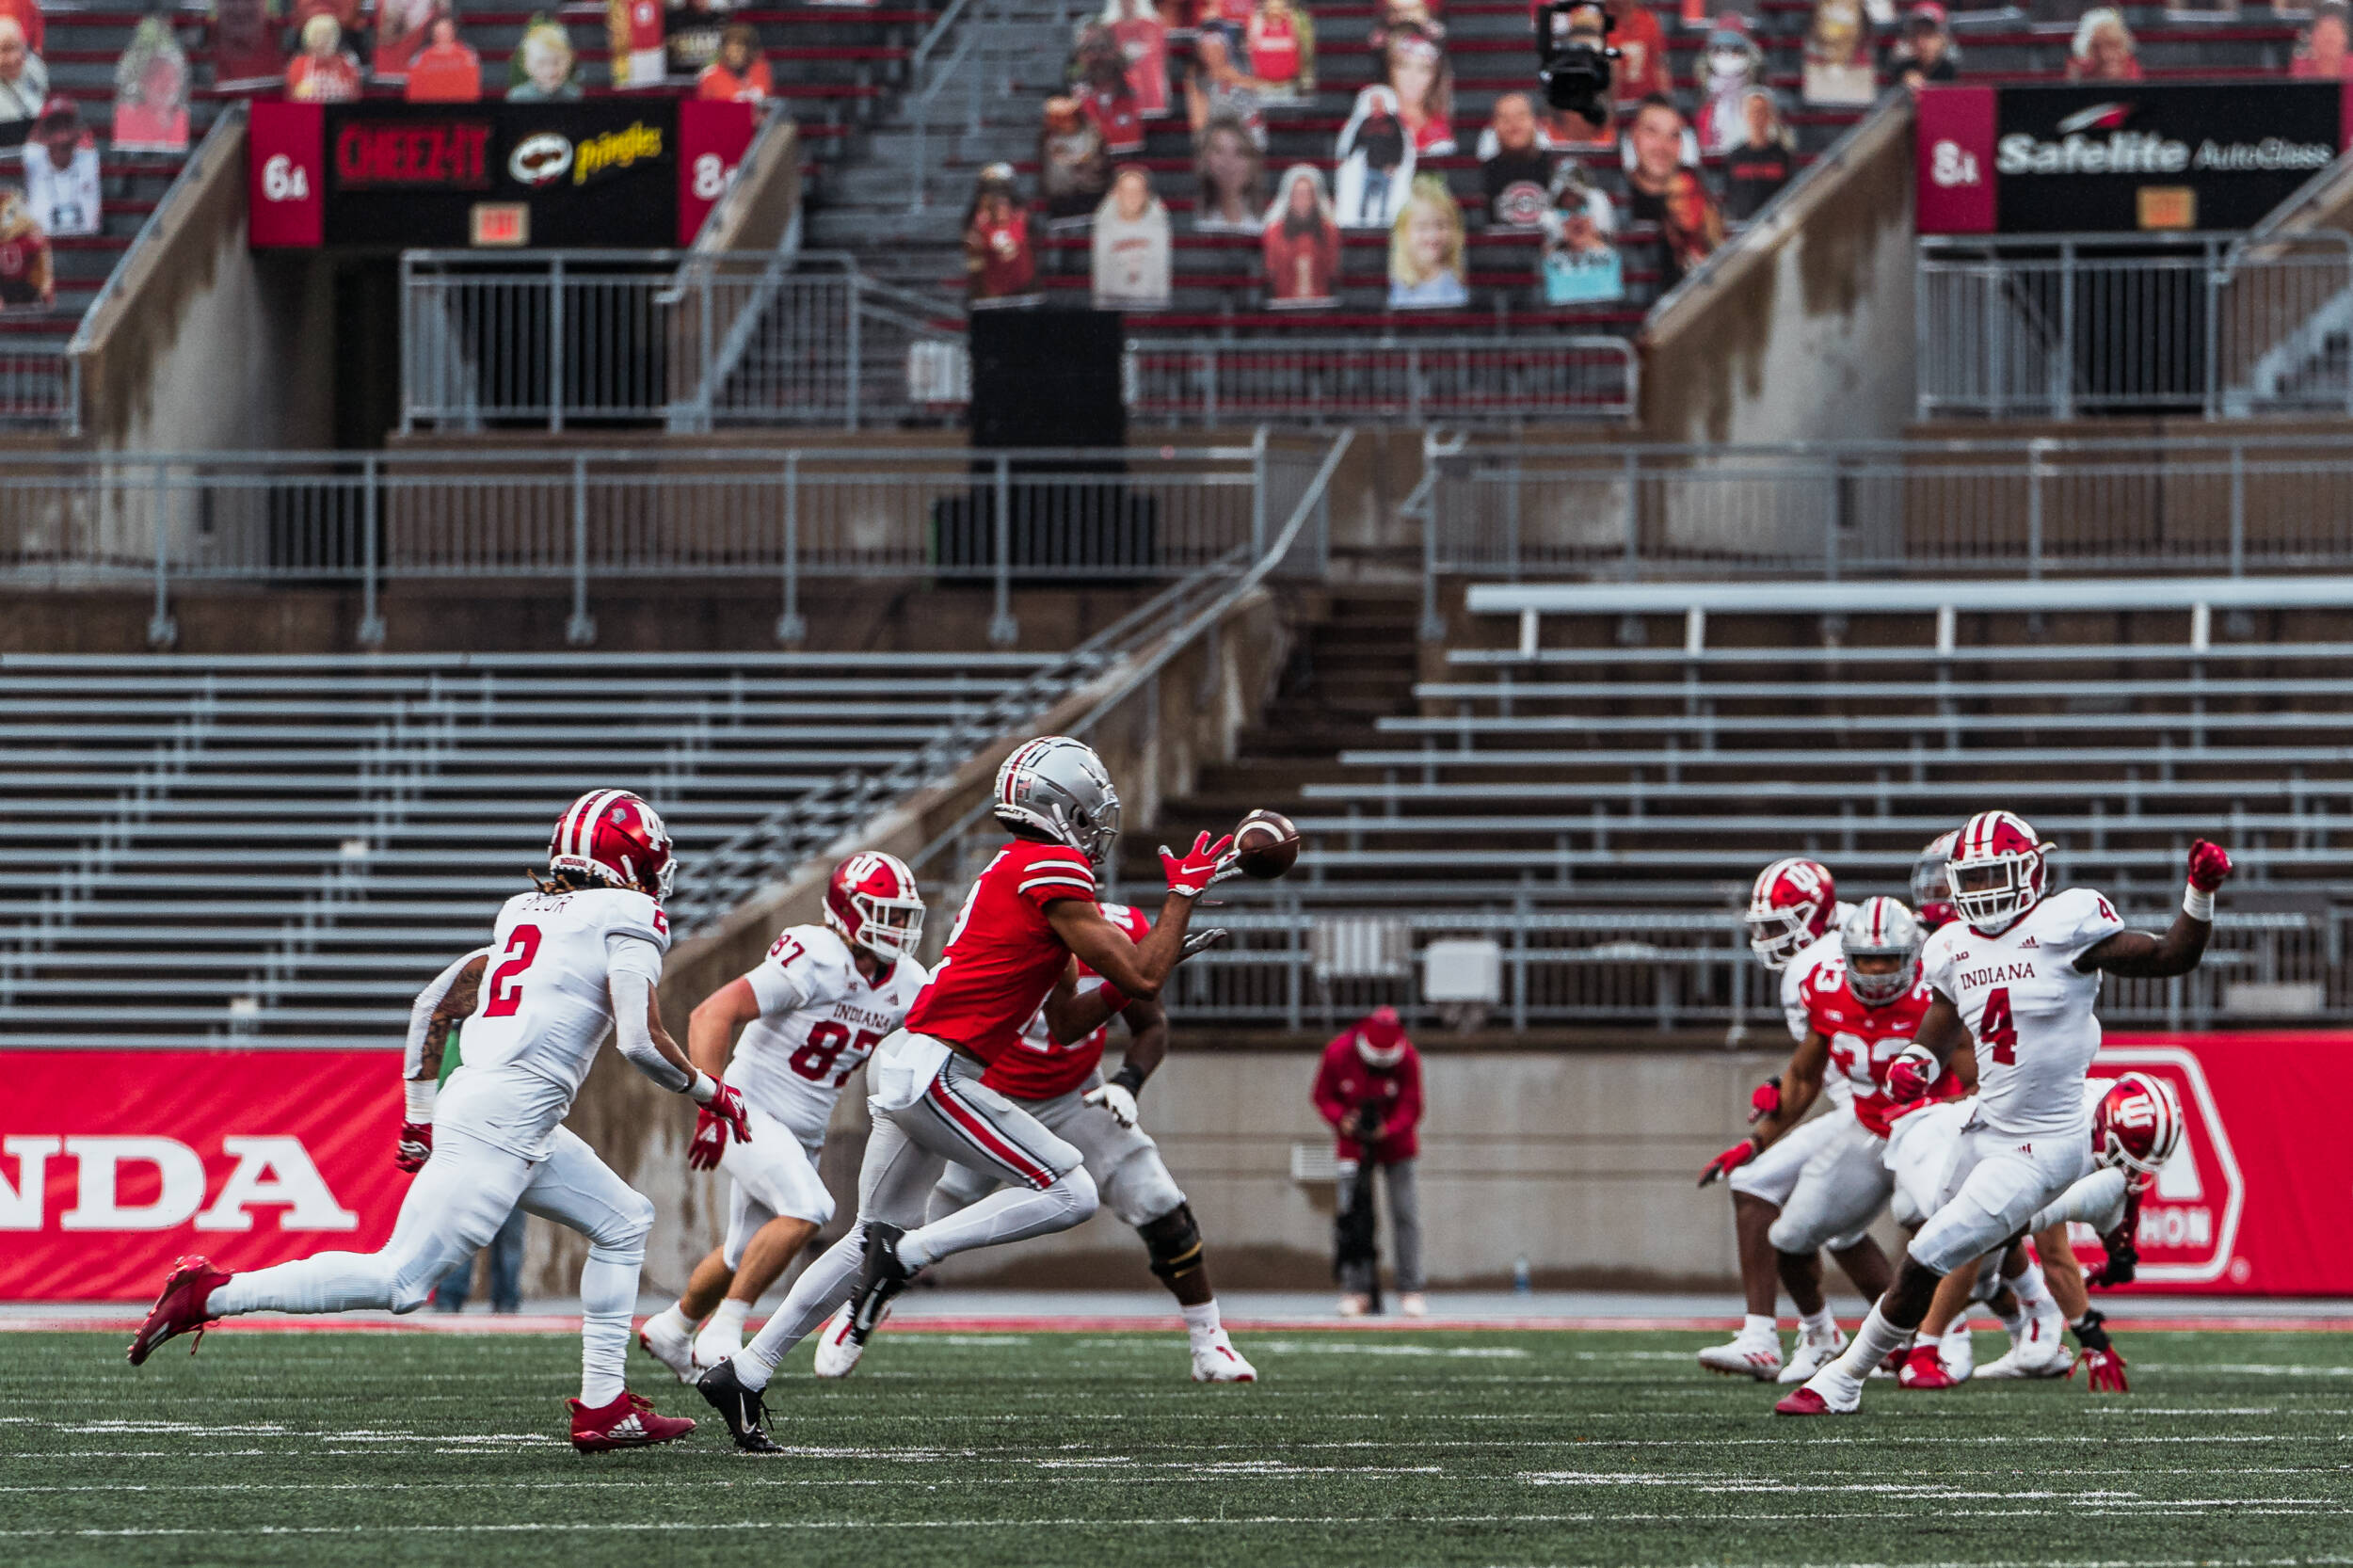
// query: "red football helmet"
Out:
[1791,904]
[2137,1128]
[871,903]
[1932,893]
[1995,872]
[615,838]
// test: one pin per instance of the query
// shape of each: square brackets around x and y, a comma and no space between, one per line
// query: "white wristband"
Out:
[2198,906]
[417,1094]
[705,1088]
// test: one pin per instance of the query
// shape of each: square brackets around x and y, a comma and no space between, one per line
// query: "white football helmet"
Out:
[1057,787]
[1881,928]
[1996,869]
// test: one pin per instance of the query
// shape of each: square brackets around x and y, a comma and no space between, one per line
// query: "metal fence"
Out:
[364,519]
[1338,380]
[41,391]
[1679,970]
[2217,504]
[2210,323]
[559,339]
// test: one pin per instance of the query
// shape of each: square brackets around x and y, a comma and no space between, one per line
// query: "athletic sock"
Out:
[1009,1214]
[823,1286]
[2034,1292]
[1757,1325]
[608,1294]
[1201,1325]
[723,1335]
[1870,1345]
[672,1317]
[1818,1325]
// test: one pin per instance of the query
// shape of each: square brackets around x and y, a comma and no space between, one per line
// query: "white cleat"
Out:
[1813,1354]
[1219,1362]
[1746,1357]
[1414,1305]
[2038,1349]
[673,1347]
[712,1346]
[836,1353]
[1958,1351]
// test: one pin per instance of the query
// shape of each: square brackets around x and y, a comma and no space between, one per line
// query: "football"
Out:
[1266,844]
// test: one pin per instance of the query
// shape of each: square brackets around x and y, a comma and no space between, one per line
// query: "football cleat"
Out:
[1925,1368]
[836,1352]
[628,1422]
[1892,1365]
[713,1345]
[884,1277]
[1355,1304]
[1807,1401]
[1958,1351]
[1758,1358]
[180,1307]
[1219,1362]
[2038,1350]
[672,1346]
[743,1409]
[1813,1354]
[1414,1305]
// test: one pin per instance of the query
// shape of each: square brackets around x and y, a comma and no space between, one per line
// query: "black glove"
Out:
[2123,1260]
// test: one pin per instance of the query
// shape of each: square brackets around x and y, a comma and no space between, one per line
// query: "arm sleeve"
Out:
[419,1085]
[634,968]
[1327,1092]
[1407,1114]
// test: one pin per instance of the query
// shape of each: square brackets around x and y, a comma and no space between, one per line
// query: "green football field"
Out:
[1089,1449]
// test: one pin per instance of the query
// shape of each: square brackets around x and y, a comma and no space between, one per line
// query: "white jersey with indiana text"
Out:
[2028,1008]
[546,1007]
[819,1020]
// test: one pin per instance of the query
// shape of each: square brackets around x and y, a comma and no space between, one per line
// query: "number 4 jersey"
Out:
[819,1020]
[2028,1007]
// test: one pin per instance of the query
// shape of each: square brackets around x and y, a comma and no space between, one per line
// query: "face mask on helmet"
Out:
[1996,873]
[871,903]
[1883,934]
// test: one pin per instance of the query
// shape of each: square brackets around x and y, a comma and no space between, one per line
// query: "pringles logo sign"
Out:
[616,149]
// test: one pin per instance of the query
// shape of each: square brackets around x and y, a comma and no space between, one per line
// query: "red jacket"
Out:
[1345,1080]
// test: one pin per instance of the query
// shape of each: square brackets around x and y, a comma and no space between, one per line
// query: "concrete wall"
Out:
[205,345]
[1802,328]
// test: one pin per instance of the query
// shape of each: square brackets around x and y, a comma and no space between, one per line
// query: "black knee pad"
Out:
[1174,1240]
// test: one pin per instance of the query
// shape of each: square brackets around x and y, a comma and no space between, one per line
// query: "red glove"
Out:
[1765,1099]
[414,1149]
[1908,1079]
[1189,876]
[2209,866]
[1729,1162]
[2104,1370]
[725,1115]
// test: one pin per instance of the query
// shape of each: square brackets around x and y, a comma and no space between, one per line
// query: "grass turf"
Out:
[1393,1448]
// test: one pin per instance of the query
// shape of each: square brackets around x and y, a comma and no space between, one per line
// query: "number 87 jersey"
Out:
[819,1020]
[2028,1008]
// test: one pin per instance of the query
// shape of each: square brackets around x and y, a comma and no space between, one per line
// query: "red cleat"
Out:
[180,1308]
[1804,1401]
[628,1422]
[1925,1368]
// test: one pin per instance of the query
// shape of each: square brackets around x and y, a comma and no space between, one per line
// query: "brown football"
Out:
[1266,844]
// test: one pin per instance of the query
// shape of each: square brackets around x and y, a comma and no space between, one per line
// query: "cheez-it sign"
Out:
[454,154]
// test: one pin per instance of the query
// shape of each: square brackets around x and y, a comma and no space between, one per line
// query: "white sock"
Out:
[823,1286]
[1819,1325]
[1009,1214]
[1959,1330]
[608,1299]
[672,1317]
[2013,1321]
[1868,1348]
[1201,1325]
[724,1334]
[2034,1292]
[1757,1325]
[324,1282]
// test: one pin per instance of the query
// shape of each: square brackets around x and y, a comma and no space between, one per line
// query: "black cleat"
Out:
[741,1408]
[885,1276]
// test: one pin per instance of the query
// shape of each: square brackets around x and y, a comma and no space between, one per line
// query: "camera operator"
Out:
[1369,1088]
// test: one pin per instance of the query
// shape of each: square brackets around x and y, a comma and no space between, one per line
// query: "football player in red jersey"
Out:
[1863,1006]
[1031,910]
[2015,973]
[1060,1081]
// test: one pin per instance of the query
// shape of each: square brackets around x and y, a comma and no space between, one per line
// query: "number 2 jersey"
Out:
[1864,1041]
[1003,956]
[819,1020]
[545,1009]
[2028,1008]
[1040,1068]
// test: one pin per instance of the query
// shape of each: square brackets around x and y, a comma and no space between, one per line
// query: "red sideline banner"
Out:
[2254,1202]
[113,1163]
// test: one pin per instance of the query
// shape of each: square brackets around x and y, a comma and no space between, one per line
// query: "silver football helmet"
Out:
[1057,787]
[1881,928]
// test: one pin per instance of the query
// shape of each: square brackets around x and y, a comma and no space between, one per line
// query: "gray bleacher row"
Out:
[204,860]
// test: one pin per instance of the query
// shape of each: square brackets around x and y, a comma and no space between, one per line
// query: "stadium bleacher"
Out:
[273,848]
